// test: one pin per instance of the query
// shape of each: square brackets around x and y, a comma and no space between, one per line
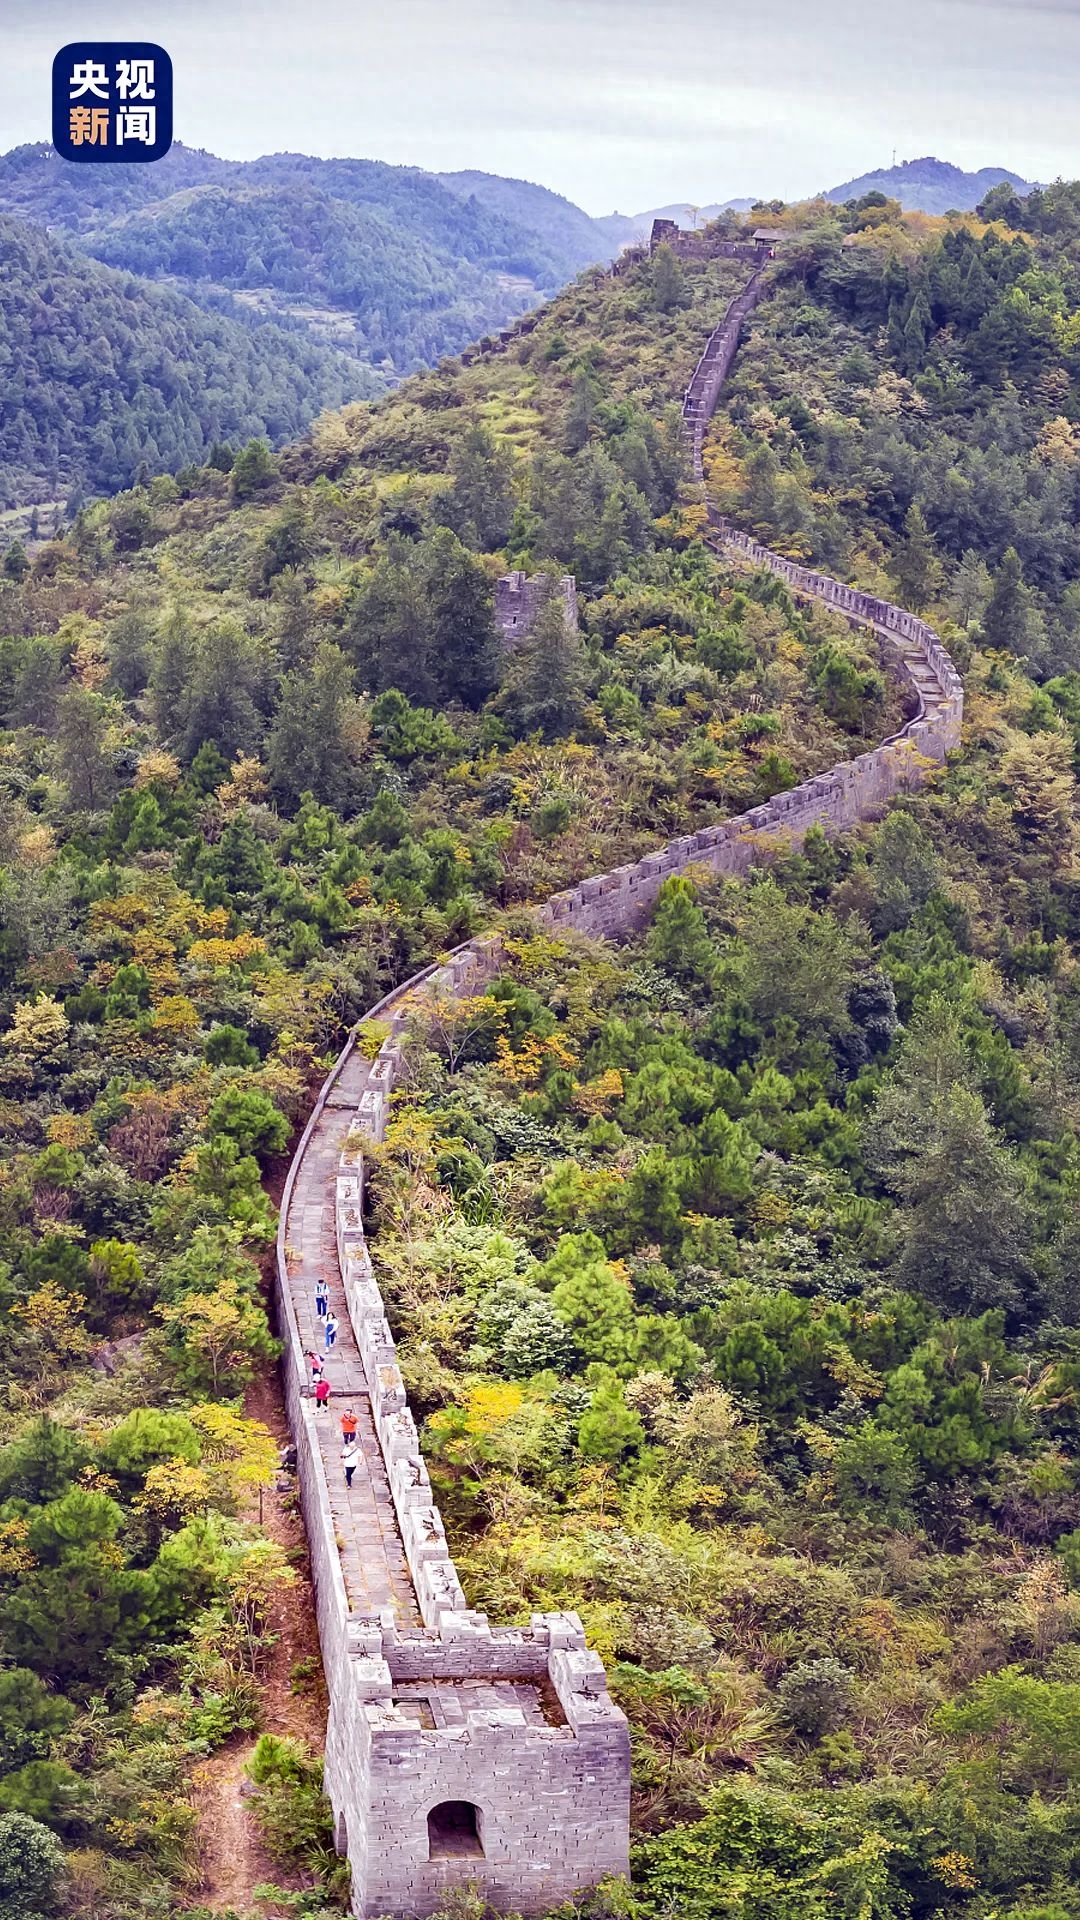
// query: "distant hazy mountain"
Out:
[934,186]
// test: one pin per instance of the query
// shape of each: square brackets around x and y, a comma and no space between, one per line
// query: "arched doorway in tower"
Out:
[454,1831]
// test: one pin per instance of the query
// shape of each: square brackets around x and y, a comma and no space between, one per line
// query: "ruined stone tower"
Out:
[519,598]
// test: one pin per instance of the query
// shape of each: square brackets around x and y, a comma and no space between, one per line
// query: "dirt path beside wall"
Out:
[232,1859]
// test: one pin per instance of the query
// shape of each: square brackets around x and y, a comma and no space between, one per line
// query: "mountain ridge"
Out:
[929,185]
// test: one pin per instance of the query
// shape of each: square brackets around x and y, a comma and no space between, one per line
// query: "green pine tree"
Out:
[678,938]
[917,569]
[545,685]
[917,331]
[16,563]
[1007,622]
[668,289]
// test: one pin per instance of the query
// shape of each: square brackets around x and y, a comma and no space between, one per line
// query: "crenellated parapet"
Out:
[459,1751]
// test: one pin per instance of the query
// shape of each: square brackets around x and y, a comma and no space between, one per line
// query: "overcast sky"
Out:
[617,103]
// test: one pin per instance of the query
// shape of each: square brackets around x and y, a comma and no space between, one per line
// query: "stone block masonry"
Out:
[700,243]
[458,1751]
[519,598]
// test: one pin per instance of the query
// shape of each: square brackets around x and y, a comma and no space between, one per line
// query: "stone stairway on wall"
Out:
[456,1750]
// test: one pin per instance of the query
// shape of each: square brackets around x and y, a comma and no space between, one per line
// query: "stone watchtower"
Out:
[519,598]
[666,233]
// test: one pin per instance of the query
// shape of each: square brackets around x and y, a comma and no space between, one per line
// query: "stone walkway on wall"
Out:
[372,1555]
[518,1722]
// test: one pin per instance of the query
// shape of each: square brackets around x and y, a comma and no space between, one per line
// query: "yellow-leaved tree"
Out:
[54,1334]
[215,1337]
[39,1029]
[241,1454]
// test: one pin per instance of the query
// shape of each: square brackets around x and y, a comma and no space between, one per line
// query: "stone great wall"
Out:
[459,1751]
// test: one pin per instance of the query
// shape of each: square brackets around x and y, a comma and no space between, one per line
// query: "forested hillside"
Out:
[571,234]
[399,297]
[734,1271]
[36,185]
[393,264]
[479,217]
[104,376]
[908,407]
